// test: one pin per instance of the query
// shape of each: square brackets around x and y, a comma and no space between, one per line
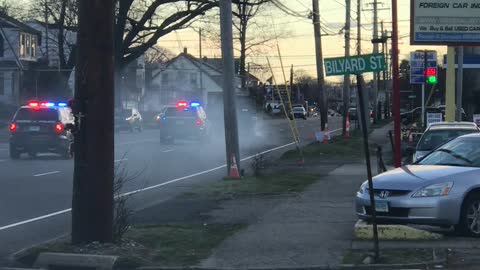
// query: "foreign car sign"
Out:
[355,64]
[445,22]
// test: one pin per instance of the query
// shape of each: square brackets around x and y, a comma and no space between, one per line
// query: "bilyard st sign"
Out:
[445,22]
[355,64]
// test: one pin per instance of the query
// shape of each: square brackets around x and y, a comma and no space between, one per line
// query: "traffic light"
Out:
[431,75]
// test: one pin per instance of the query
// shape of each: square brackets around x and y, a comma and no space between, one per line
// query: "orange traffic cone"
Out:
[347,128]
[234,168]
[326,135]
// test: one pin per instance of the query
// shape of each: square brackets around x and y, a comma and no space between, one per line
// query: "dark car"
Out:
[186,121]
[128,120]
[40,127]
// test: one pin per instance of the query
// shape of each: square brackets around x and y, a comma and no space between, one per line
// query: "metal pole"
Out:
[359,27]
[450,86]
[229,106]
[376,75]
[202,92]
[396,85]
[459,106]
[322,102]
[423,104]
[346,78]
[425,67]
[363,121]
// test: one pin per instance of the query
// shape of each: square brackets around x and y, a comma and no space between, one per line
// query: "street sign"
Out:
[434,118]
[476,119]
[417,65]
[446,22]
[355,64]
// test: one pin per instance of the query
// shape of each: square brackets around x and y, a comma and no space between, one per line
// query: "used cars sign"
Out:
[355,64]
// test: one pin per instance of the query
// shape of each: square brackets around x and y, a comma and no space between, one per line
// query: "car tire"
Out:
[470,213]
[14,154]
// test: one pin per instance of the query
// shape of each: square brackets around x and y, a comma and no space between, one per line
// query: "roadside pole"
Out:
[322,102]
[229,104]
[459,84]
[396,85]
[450,86]
[363,122]
[93,108]
[425,67]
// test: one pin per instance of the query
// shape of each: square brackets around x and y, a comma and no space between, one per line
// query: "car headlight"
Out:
[442,189]
[363,187]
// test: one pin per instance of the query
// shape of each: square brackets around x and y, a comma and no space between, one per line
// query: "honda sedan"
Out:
[442,189]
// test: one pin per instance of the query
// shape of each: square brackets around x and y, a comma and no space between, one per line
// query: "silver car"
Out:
[439,133]
[442,189]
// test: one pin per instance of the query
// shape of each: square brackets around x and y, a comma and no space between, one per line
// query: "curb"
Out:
[232,268]
[363,231]
[427,265]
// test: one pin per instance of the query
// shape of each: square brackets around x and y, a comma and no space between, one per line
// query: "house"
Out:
[187,77]
[19,47]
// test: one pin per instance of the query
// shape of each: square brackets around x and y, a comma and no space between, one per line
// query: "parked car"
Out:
[298,112]
[443,189]
[438,133]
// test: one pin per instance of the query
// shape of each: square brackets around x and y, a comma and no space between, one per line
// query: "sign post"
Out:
[357,65]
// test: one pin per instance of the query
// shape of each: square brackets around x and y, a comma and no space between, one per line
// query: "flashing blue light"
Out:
[195,104]
[49,104]
[62,104]
[164,119]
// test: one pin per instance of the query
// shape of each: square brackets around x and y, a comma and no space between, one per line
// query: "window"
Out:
[28,45]
[22,45]
[193,78]
[34,47]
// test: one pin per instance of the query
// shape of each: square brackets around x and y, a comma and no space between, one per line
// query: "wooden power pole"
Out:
[346,79]
[322,101]
[93,107]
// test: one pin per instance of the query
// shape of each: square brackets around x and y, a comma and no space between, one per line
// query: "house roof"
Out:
[9,22]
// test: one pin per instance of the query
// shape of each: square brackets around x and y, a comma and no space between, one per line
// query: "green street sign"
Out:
[355,64]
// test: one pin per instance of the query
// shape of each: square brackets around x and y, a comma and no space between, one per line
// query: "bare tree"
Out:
[301,76]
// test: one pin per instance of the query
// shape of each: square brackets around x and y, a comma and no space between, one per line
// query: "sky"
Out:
[298,48]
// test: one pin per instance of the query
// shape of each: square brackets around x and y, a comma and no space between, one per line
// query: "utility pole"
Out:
[93,108]
[346,78]
[396,85]
[459,97]
[359,27]
[46,33]
[322,101]
[229,106]
[202,91]
[384,73]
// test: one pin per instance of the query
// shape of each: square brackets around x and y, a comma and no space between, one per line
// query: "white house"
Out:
[18,52]
[186,77]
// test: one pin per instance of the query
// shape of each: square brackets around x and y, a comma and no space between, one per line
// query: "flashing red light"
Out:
[431,72]
[182,104]
[59,127]
[198,122]
[12,127]
[33,104]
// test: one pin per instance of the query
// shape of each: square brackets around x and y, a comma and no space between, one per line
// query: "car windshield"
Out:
[434,138]
[459,152]
[298,109]
[27,114]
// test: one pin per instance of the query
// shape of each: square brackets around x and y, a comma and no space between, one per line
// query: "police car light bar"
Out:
[195,104]
[36,104]
[182,104]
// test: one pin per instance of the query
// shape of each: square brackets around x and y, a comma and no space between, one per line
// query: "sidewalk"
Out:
[311,230]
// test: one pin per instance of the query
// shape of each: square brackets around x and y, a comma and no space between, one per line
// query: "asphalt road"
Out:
[35,194]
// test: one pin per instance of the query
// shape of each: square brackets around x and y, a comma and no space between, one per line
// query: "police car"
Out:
[39,127]
[185,120]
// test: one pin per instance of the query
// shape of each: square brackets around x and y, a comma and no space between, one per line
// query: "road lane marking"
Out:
[121,160]
[6,227]
[47,173]
[168,151]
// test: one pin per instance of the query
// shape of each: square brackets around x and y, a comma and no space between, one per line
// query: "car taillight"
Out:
[198,122]
[59,127]
[12,127]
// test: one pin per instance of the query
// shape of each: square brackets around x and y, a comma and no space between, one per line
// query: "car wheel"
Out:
[470,216]
[14,154]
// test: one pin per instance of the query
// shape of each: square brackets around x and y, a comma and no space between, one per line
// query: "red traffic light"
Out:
[431,72]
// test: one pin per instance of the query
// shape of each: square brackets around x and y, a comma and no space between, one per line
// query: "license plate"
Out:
[180,122]
[381,206]
[34,128]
